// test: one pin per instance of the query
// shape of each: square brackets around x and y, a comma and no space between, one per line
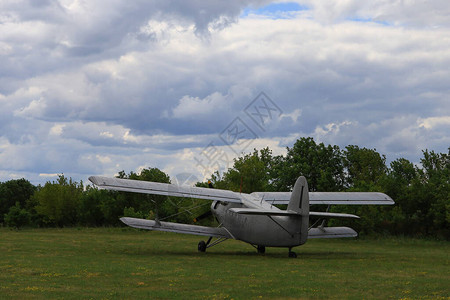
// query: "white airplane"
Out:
[252,218]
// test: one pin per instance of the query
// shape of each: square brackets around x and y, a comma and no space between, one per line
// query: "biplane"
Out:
[252,218]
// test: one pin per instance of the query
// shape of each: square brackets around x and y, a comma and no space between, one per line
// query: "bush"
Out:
[17,216]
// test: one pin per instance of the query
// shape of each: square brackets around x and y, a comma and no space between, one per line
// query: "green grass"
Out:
[109,263]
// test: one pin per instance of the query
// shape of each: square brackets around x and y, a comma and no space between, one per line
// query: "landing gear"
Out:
[202,246]
[292,254]
[261,249]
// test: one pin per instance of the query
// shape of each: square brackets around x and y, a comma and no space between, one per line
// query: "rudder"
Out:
[299,202]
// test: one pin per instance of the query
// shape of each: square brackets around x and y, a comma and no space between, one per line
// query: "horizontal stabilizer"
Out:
[176,227]
[267,212]
[156,188]
[328,215]
[329,198]
[331,232]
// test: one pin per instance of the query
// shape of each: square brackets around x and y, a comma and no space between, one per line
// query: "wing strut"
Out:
[202,246]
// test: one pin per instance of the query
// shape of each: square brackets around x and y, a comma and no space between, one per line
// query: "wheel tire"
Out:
[261,249]
[202,246]
[292,254]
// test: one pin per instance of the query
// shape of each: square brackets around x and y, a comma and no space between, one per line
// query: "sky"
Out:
[95,87]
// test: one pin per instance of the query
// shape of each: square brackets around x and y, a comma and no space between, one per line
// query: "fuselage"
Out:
[261,230]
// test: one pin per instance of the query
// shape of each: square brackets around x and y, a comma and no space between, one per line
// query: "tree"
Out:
[435,192]
[13,191]
[320,164]
[17,216]
[250,173]
[365,167]
[99,207]
[143,204]
[57,202]
[398,182]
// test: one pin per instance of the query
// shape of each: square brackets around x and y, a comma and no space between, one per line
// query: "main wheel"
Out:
[261,249]
[201,246]
[292,254]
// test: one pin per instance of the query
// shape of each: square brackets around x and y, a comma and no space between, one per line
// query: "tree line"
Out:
[420,192]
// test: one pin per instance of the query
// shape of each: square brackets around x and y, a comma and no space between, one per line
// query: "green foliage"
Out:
[321,165]
[421,193]
[250,172]
[144,204]
[98,207]
[57,202]
[17,216]
[130,212]
[365,167]
[436,175]
[12,191]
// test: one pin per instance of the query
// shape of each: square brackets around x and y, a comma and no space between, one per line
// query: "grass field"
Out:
[109,263]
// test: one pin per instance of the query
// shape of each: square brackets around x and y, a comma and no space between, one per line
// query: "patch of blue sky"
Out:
[281,10]
[369,20]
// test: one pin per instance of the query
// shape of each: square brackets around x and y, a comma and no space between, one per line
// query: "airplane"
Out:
[252,218]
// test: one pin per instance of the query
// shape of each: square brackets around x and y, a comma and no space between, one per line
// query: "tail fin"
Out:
[299,201]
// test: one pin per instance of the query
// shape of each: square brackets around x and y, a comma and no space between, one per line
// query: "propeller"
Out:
[202,216]
[208,213]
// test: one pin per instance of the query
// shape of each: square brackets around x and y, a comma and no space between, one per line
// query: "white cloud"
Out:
[92,89]
[46,175]
[58,129]
[432,13]
[294,115]
[321,132]
[103,159]
[194,107]
[433,122]
[107,134]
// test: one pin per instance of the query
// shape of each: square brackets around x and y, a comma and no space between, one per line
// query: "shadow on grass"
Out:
[321,255]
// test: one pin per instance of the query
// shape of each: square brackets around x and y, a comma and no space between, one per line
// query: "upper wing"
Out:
[345,198]
[148,187]
[176,227]
[288,213]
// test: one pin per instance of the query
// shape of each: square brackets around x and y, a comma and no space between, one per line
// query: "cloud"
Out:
[190,108]
[92,89]
[433,122]
[400,13]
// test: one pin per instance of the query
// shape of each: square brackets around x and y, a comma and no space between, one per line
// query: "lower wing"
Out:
[331,232]
[219,232]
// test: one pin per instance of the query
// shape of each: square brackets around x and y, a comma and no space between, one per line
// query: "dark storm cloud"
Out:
[96,87]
